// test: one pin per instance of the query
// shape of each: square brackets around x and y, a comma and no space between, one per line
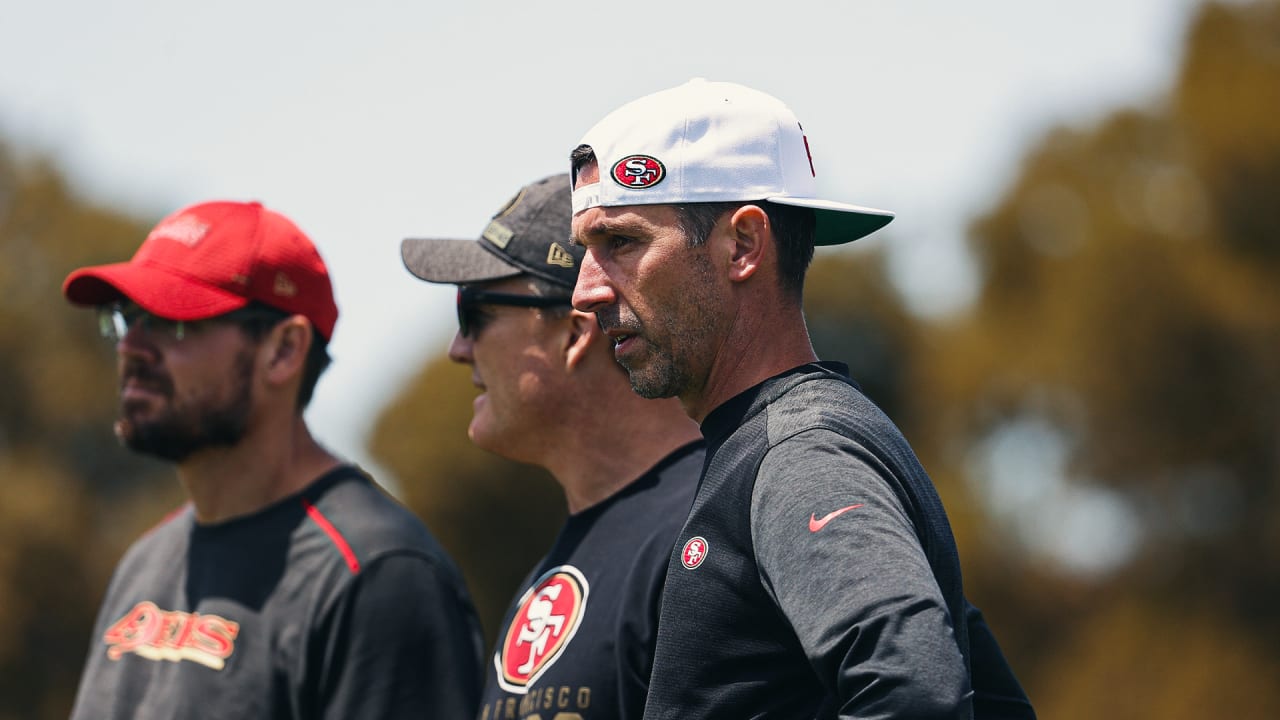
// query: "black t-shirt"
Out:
[334,603]
[817,576]
[577,641]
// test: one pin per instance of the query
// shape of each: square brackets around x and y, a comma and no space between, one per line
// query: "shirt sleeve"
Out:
[996,691]
[839,554]
[401,642]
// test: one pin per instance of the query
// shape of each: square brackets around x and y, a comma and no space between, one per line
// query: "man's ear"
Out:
[285,348]
[752,240]
[583,333]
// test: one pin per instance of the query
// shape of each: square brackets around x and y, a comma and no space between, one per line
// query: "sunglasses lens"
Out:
[471,319]
[471,313]
[115,321]
[464,324]
[111,323]
[472,316]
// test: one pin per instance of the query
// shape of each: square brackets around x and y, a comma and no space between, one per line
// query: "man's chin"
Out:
[651,385]
[125,431]
[477,435]
[156,440]
[483,436]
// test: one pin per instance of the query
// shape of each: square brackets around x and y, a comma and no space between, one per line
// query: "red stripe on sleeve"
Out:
[340,542]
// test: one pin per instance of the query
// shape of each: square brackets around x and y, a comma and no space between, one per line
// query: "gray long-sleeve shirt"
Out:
[816,575]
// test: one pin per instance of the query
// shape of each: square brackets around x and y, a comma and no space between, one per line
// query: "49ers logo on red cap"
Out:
[548,615]
[638,171]
[695,551]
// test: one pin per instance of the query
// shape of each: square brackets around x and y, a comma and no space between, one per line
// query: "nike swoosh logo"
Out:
[815,524]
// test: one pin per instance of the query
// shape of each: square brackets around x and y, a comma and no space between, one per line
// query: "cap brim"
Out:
[453,261]
[155,289]
[839,223]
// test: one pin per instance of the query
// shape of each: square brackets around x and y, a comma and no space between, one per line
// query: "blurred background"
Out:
[1075,318]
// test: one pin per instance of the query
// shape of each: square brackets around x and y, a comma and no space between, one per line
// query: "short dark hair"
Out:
[793,229]
[581,157]
[256,320]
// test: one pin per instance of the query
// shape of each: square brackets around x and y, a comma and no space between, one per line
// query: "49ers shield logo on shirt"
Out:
[544,622]
[694,552]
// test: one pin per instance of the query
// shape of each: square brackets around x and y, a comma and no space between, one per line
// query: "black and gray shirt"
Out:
[334,603]
[816,576]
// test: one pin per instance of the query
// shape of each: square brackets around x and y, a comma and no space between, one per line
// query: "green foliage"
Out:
[856,317]
[71,499]
[1130,295]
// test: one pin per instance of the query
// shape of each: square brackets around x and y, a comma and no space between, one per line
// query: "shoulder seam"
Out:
[335,536]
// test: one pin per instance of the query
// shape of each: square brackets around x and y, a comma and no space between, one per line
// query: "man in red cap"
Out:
[290,586]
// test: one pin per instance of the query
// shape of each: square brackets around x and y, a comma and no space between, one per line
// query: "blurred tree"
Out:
[1131,302]
[855,316]
[71,499]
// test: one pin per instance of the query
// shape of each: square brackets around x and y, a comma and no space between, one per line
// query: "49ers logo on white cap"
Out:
[545,620]
[695,551]
[638,171]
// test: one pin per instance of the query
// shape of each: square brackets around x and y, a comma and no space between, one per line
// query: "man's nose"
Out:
[592,291]
[136,342]
[460,349]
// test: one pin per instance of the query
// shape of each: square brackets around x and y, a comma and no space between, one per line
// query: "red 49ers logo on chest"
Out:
[694,552]
[545,620]
[172,635]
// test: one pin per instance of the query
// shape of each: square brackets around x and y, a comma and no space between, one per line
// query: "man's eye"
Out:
[480,317]
[163,325]
[619,241]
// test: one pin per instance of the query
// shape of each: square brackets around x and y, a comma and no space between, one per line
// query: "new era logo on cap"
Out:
[557,255]
[714,142]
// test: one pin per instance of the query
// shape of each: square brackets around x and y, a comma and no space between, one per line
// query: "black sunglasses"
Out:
[471,319]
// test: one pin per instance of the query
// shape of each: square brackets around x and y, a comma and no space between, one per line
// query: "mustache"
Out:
[612,318]
[141,373]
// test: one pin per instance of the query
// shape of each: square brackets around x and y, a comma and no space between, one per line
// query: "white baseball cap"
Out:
[714,142]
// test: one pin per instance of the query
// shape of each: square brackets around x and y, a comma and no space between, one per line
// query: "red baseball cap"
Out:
[212,258]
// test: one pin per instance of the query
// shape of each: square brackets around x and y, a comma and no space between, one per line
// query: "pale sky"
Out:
[369,122]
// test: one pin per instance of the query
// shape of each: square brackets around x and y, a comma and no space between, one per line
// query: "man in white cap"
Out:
[290,586]
[816,574]
[577,640]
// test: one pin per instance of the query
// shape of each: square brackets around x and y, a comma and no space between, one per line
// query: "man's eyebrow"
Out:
[609,226]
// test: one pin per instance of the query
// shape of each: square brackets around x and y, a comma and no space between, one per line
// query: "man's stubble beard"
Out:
[181,431]
[679,366]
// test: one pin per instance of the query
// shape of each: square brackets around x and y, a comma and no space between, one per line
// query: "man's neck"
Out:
[759,347]
[616,447]
[264,468]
